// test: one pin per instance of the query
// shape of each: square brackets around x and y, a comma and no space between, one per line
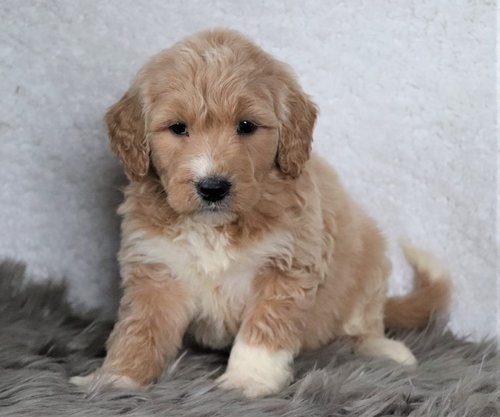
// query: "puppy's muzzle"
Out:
[213,189]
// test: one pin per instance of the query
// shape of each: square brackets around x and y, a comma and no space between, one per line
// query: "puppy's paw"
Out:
[381,347]
[257,371]
[250,386]
[82,381]
[101,379]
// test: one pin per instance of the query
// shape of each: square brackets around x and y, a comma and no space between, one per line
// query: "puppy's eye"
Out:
[246,127]
[179,129]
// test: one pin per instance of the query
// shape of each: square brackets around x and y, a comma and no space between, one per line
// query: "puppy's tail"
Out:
[430,297]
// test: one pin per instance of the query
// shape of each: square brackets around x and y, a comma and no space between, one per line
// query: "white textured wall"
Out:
[407,96]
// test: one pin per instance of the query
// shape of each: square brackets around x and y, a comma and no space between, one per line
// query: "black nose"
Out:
[213,188]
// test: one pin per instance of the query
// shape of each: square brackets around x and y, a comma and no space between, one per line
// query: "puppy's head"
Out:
[216,116]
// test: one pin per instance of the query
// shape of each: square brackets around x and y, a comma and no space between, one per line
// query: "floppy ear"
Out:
[127,134]
[295,132]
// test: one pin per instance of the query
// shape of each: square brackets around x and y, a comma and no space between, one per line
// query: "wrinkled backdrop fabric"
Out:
[407,95]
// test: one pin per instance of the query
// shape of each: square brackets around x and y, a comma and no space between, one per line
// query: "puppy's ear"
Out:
[127,134]
[295,132]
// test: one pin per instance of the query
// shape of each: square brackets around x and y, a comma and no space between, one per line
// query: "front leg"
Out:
[261,360]
[153,317]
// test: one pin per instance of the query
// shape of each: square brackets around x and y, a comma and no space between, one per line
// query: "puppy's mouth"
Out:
[215,214]
[215,207]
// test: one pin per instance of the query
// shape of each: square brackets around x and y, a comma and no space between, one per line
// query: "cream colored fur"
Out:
[218,277]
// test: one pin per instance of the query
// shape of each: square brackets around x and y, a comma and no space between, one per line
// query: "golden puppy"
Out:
[233,232]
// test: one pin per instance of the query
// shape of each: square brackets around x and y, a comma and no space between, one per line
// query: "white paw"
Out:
[82,381]
[250,387]
[104,379]
[401,354]
[380,347]
[257,371]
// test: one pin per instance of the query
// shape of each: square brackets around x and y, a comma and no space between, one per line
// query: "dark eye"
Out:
[246,127]
[179,129]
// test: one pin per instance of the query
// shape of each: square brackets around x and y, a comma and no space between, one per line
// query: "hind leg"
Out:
[382,347]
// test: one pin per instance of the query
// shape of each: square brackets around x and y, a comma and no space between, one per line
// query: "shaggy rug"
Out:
[42,343]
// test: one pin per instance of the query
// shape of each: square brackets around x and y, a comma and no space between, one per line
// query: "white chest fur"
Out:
[217,276]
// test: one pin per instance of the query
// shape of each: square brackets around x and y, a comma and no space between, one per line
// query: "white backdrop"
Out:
[407,92]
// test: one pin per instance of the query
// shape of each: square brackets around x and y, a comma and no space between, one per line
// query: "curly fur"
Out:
[286,263]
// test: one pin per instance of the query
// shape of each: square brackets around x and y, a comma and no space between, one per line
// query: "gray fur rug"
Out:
[42,343]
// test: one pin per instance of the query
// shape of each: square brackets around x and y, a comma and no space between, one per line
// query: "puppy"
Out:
[234,233]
